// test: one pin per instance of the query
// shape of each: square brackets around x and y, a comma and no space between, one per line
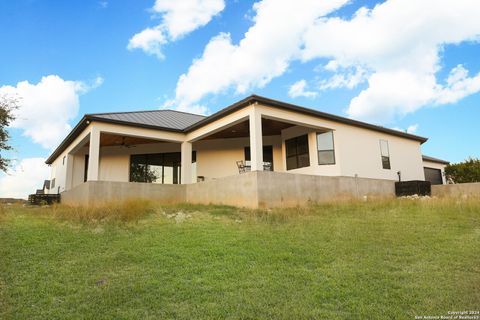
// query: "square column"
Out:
[186,159]
[256,143]
[94,155]
[69,170]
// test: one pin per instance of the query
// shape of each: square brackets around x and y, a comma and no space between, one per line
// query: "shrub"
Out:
[466,171]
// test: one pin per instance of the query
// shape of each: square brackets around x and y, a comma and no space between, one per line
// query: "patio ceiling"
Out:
[108,139]
[241,130]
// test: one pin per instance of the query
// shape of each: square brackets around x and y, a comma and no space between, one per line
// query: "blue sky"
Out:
[372,64]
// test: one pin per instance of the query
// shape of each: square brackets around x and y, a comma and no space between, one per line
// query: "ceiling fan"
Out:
[123,144]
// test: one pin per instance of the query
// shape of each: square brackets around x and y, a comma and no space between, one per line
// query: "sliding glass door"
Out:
[161,168]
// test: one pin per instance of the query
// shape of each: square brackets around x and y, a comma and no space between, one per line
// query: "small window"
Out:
[297,152]
[325,148]
[385,153]
[63,160]
[52,185]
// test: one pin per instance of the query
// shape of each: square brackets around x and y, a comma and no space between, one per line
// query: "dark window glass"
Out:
[297,152]
[385,153]
[267,157]
[325,147]
[85,169]
[155,168]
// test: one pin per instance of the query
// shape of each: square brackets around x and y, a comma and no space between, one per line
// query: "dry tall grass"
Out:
[128,210]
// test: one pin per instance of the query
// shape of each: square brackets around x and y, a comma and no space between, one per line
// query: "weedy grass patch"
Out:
[379,259]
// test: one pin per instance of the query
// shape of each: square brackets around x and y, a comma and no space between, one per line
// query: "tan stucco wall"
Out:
[252,190]
[457,190]
[217,158]
[98,192]
[357,150]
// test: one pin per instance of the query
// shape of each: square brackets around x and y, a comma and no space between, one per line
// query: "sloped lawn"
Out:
[374,260]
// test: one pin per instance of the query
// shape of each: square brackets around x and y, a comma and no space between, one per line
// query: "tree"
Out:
[466,171]
[7,105]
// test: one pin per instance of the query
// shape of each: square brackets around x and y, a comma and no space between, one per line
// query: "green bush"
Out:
[466,171]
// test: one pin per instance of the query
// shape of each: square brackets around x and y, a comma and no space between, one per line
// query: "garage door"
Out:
[433,175]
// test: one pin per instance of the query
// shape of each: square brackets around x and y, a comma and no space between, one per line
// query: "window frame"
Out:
[296,154]
[387,157]
[323,150]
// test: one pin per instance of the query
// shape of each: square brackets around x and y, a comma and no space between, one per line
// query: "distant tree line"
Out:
[462,172]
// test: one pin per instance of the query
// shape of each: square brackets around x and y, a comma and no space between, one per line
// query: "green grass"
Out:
[373,260]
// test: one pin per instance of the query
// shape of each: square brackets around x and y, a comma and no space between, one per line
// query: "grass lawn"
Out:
[367,260]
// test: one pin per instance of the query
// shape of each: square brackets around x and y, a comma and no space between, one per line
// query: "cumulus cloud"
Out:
[24,178]
[299,89]
[149,40]
[264,53]
[46,108]
[178,18]
[347,79]
[400,43]
[394,48]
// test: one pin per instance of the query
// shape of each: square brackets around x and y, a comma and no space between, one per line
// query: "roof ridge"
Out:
[142,111]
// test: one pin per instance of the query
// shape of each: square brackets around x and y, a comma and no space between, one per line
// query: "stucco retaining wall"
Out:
[97,192]
[456,190]
[251,190]
[288,190]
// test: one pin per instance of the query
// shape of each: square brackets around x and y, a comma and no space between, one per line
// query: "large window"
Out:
[385,153]
[325,148]
[297,152]
[161,168]
[155,168]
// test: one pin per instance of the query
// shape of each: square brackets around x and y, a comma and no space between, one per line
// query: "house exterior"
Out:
[254,134]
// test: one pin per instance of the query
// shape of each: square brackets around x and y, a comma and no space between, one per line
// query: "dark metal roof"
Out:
[171,120]
[432,159]
[287,106]
[161,119]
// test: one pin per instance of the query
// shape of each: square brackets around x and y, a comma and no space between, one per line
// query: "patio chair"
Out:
[241,167]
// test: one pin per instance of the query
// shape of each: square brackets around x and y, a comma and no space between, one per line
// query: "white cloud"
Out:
[298,89]
[399,42]
[263,54]
[410,129]
[178,19]
[25,177]
[459,85]
[46,108]
[395,48]
[346,79]
[149,40]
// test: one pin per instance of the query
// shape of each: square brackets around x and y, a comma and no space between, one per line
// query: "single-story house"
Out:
[254,134]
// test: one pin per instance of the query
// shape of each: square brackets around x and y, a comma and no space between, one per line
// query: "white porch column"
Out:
[69,170]
[94,155]
[256,143]
[186,159]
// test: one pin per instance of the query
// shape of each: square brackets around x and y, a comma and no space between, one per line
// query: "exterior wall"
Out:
[291,190]
[456,190]
[217,158]
[357,150]
[238,190]
[436,165]
[252,190]
[98,192]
